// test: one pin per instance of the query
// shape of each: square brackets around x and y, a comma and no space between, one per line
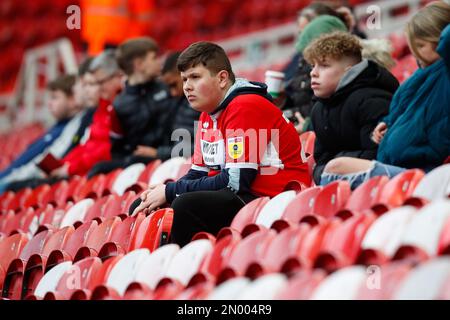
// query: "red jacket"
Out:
[98,146]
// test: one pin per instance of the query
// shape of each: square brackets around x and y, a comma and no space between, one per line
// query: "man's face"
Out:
[325,76]
[59,104]
[110,85]
[91,90]
[203,90]
[150,65]
[173,81]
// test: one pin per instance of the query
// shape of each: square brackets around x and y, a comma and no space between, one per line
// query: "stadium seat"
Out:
[10,248]
[167,171]
[367,194]
[383,281]
[383,237]
[127,178]
[150,168]
[152,270]
[146,236]
[302,285]
[50,280]
[342,242]
[424,230]
[400,188]
[93,188]
[246,252]
[12,285]
[426,281]
[187,261]
[77,277]
[435,184]
[332,198]
[341,285]
[230,289]
[301,205]
[96,239]
[264,288]
[274,209]
[77,213]
[124,272]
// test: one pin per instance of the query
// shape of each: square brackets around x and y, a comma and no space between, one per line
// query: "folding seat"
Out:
[17,202]
[77,213]
[264,288]
[76,183]
[35,198]
[146,236]
[198,291]
[12,223]
[246,252]
[367,194]
[50,280]
[127,199]
[10,248]
[93,188]
[435,184]
[127,178]
[77,277]
[307,140]
[283,247]
[246,216]
[332,198]
[301,205]
[219,255]
[12,285]
[5,199]
[167,171]
[57,194]
[110,179]
[342,242]
[383,281]
[421,237]
[97,238]
[301,285]
[427,281]
[124,271]
[341,285]
[113,208]
[146,175]
[230,289]
[384,236]
[187,261]
[400,188]
[444,240]
[97,209]
[153,269]
[97,282]
[121,237]
[274,209]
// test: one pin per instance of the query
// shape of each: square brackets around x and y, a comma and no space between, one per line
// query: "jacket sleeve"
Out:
[237,179]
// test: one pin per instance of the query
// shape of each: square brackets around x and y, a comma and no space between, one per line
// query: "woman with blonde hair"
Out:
[416,132]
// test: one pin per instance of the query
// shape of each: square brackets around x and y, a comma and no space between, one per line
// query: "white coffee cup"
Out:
[274,81]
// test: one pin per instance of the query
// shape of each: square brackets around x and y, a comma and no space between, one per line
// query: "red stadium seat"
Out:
[10,248]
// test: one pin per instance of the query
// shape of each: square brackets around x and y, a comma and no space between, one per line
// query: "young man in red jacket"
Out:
[244,148]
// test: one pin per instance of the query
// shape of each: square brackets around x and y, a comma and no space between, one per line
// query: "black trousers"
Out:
[199,211]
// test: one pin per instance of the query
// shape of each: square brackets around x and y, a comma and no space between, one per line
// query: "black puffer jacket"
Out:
[144,112]
[183,117]
[344,122]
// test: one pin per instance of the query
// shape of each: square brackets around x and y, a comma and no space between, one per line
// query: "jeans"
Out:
[357,178]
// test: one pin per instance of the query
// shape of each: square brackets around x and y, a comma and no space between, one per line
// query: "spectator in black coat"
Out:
[352,96]
[178,138]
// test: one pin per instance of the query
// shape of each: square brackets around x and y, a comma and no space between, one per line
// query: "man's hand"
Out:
[61,172]
[152,198]
[379,132]
[145,151]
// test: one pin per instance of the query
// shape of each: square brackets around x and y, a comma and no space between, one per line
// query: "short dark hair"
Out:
[210,55]
[84,66]
[63,83]
[132,49]
[170,64]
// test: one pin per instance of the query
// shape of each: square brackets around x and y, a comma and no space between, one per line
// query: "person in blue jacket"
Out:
[416,132]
